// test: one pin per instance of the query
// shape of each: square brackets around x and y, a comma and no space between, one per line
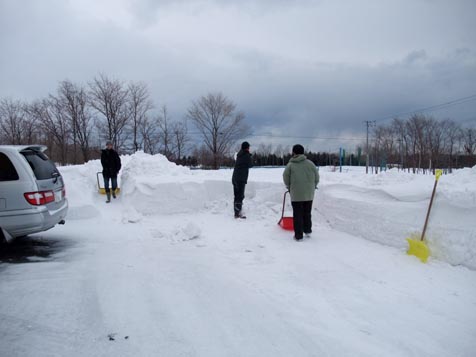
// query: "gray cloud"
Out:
[301,68]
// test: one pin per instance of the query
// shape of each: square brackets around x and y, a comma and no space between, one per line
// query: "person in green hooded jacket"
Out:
[301,178]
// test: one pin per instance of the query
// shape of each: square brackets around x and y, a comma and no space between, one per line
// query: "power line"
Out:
[303,137]
[433,107]
[265,135]
[467,120]
[369,123]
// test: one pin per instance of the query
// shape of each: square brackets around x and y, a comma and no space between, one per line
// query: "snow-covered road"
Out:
[114,282]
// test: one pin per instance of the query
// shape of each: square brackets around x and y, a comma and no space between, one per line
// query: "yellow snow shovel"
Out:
[417,245]
[101,189]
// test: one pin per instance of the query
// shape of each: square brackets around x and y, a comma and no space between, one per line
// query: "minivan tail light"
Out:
[40,198]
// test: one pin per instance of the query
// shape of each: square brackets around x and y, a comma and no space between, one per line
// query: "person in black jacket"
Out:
[240,177]
[111,164]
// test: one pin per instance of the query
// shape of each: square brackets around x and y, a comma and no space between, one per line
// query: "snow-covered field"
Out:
[166,271]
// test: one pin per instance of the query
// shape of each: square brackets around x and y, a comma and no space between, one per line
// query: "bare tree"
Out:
[165,131]
[31,133]
[452,134]
[180,138]
[202,153]
[75,103]
[469,140]
[54,122]
[139,105]
[415,126]
[109,97]
[434,141]
[17,127]
[219,123]
[279,153]
[265,149]
[384,145]
[149,136]
[426,143]
[399,129]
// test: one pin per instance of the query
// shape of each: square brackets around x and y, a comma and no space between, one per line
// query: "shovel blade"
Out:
[287,223]
[102,190]
[419,249]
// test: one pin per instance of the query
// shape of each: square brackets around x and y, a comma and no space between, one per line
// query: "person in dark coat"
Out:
[111,165]
[240,177]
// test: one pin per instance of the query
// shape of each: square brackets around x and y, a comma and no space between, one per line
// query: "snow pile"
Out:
[153,185]
[453,235]
[460,189]
[385,208]
[141,165]
[81,190]
[388,207]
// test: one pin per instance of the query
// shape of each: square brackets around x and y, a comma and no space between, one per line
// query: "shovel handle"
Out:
[97,175]
[284,205]
[437,177]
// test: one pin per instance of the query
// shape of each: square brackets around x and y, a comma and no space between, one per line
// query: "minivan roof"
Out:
[19,148]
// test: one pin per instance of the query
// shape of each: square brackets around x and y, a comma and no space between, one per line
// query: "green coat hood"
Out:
[298,158]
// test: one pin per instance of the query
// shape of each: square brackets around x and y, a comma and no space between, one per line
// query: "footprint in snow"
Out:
[112,337]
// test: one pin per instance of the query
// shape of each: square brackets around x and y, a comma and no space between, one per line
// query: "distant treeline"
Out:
[422,142]
[415,144]
[319,158]
[76,121]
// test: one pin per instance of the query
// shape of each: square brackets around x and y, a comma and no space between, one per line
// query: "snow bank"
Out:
[384,208]
[388,207]
[141,165]
[153,185]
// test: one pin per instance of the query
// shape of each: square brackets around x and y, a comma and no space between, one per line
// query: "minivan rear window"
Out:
[42,166]
[7,170]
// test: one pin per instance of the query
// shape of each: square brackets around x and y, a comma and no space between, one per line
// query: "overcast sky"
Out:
[296,68]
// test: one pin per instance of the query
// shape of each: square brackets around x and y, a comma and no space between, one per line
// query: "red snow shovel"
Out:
[286,223]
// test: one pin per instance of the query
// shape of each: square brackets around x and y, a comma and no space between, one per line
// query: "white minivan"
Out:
[32,192]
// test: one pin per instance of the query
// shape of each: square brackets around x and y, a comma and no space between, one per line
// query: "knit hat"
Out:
[245,145]
[298,149]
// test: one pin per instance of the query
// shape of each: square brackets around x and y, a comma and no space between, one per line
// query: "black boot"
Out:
[108,196]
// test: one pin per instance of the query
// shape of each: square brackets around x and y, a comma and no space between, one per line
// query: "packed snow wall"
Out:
[385,208]
[153,185]
[391,206]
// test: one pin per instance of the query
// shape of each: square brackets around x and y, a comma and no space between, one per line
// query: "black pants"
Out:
[302,218]
[113,183]
[239,192]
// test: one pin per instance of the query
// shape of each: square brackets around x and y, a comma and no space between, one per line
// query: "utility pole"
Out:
[368,123]
[340,159]
[400,147]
